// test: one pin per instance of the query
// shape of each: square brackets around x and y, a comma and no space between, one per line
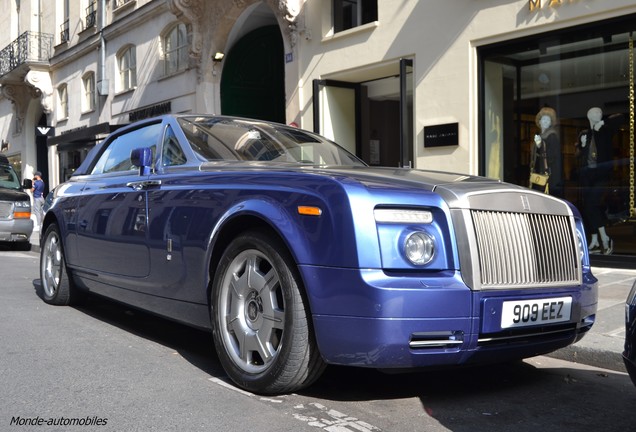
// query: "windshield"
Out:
[221,138]
[8,178]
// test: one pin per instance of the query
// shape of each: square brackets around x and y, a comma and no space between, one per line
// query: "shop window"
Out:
[127,63]
[88,90]
[62,102]
[175,44]
[353,13]
[559,103]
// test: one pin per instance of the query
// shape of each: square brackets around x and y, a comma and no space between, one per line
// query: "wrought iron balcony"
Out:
[91,15]
[28,48]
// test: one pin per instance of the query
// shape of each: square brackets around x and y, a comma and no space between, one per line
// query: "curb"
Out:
[35,242]
[604,359]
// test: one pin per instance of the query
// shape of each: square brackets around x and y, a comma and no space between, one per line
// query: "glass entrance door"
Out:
[336,112]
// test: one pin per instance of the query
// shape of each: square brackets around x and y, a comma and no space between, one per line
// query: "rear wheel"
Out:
[57,287]
[260,320]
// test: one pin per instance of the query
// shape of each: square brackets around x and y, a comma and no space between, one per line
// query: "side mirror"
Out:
[142,157]
[27,184]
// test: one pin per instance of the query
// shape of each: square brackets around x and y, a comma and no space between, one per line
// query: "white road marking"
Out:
[314,414]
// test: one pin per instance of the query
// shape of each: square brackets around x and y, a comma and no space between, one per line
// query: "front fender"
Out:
[322,240]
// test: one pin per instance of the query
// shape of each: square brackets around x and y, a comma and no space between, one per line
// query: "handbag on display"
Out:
[538,179]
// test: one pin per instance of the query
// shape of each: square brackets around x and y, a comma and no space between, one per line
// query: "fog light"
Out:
[419,248]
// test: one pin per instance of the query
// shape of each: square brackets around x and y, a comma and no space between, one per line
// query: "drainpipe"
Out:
[102,82]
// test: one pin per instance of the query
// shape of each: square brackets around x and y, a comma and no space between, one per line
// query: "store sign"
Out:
[441,135]
[44,131]
[538,4]
[151,111]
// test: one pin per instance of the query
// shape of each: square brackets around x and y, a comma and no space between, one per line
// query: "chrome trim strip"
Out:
[525,335]
[434,343]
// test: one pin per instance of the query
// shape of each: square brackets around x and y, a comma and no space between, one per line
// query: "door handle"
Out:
[144,184]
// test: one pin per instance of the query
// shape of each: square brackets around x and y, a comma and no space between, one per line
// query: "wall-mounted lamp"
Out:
[218,56]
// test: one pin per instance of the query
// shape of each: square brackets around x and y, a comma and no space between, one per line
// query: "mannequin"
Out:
[547,143]
[594,150]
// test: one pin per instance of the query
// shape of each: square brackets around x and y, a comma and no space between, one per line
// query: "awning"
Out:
[81,137]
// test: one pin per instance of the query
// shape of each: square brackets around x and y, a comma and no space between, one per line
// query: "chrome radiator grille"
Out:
[523,249]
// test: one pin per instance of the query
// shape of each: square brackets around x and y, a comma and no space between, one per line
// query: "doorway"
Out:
[253,81]
[370,114]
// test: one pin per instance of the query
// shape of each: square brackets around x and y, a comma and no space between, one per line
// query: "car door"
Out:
[112,215]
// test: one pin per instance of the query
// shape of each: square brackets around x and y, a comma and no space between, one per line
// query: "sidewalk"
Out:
[603,345]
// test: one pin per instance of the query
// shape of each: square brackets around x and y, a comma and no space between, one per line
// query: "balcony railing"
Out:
[64,32]
[29,47]
[91,15]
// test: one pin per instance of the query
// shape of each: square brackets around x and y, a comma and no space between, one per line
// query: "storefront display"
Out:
[584,78]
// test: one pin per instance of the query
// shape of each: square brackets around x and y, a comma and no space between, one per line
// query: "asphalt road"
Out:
[115,369]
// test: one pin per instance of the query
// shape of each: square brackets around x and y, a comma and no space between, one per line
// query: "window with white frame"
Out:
[175,44]
[62,100]
[88,92]
[127,64]
[353,13]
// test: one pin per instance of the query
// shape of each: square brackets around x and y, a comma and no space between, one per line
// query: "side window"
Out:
[127,63]
[353,13]
[116,157]
[175,45]
[172,154]
[62,102]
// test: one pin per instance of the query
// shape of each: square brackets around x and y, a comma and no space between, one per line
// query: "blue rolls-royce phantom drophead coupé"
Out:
[295,254]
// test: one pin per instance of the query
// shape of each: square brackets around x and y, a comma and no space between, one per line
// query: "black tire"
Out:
[260,320]
[57,287]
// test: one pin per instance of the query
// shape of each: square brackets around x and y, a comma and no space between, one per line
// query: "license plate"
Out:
[535,312]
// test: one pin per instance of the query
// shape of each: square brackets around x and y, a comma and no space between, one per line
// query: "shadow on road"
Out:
[540,394]
[536,394]
[193,345]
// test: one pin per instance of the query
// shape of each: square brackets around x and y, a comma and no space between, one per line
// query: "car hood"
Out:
[455,188]
[13,195]
[459,191]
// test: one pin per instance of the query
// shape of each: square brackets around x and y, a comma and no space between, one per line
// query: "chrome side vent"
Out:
[517,250]
[440,339]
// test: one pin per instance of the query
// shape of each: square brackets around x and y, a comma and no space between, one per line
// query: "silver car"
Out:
[16,225]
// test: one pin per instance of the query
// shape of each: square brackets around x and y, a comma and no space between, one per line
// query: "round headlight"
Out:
[419,248]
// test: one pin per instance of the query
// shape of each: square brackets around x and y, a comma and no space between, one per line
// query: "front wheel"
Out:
[57,287]
[261,328]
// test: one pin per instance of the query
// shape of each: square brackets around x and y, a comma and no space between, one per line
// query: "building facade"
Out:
[456,86]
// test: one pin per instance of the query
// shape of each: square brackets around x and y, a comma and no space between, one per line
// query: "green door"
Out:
[253,81]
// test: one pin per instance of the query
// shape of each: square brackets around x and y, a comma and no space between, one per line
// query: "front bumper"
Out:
[16,230]
[366,318]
